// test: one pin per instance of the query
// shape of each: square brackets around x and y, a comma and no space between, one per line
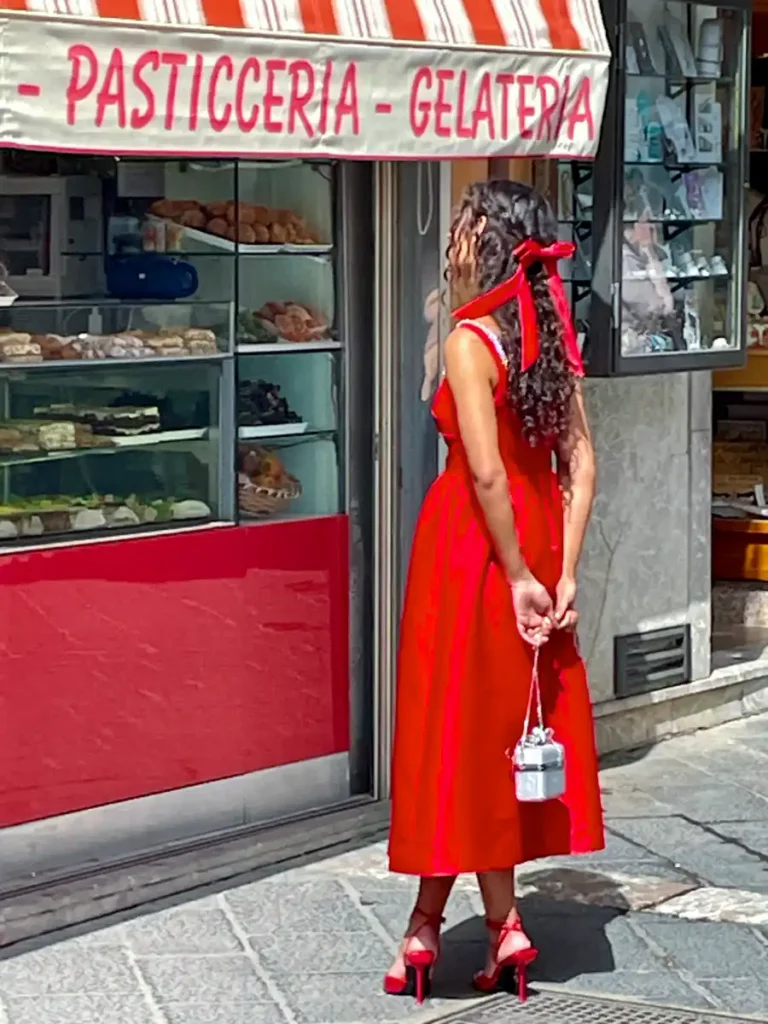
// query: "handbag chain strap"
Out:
[534,690]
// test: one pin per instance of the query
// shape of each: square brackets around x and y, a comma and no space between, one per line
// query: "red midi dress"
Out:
[464,674]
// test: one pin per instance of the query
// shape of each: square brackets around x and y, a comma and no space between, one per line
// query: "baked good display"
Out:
[260,404]
[264,485]
[55,514]
[109,421]
[247,223]
[283,321]
[19,347]
[165,342]
[20,436]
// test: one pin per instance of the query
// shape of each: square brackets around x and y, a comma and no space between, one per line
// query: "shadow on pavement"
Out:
[566,918]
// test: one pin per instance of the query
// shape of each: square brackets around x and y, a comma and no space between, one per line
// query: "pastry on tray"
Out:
[20,436]
[289,321]
[243,222]
[120,421]
[166,342]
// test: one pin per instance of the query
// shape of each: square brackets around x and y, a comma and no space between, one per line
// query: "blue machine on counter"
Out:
[150,275]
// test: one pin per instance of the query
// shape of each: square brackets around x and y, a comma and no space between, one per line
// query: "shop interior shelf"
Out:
[279,431]
[681,80]
[695,165]
[246,249]
[59,365]
[287,347]
[673,221]
[118,444]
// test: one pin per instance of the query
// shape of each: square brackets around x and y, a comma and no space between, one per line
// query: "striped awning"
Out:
[362,78]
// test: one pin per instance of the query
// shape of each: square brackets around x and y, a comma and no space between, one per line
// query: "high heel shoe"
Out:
[419,963]
[517,962]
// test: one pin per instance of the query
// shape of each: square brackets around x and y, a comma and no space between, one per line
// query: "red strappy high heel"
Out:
[516,962]
[419,963]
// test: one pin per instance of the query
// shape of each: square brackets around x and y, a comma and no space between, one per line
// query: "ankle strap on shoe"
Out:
[435,920]
[515,925]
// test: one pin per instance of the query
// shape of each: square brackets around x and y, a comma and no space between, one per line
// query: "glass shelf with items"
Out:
[288,434]
[160,430]
[82,334]
[202,277]
[252,209]
[286,301]
[668,203]
[679,201]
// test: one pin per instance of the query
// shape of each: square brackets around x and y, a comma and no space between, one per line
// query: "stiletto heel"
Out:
[517,962]
[419,963]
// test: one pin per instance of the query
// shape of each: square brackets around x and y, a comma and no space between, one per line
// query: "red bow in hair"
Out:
[519,287]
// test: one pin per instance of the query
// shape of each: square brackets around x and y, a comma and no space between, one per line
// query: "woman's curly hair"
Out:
[493,218]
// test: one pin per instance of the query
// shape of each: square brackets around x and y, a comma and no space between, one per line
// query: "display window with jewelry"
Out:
[667,292]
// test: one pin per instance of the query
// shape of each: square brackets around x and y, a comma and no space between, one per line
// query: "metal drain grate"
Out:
[562,1008]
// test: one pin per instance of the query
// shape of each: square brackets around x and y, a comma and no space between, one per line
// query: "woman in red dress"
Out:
[492,578]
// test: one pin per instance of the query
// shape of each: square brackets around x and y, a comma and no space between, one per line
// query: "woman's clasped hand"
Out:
[537,614]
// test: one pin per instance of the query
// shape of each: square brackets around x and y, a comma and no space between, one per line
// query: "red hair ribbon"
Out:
[519,287]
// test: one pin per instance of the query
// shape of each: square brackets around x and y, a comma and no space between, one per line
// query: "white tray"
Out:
[160,437]
[276,430]
[7,295]
[219,242]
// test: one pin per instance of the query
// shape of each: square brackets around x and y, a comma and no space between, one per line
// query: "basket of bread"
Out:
[264,486]
[247,223]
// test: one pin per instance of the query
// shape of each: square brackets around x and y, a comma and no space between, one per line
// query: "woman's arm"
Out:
[472,375]
[578,454]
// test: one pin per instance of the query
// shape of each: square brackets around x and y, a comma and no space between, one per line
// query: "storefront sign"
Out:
[78,86]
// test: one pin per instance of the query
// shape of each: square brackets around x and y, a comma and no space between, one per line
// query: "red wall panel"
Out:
[152,663]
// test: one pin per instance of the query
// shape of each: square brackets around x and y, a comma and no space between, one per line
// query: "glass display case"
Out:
[662,211]
[170,349]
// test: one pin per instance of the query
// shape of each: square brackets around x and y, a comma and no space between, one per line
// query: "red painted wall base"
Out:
[143,665]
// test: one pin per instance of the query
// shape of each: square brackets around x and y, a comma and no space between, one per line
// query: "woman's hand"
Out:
[534,610]
[566,616]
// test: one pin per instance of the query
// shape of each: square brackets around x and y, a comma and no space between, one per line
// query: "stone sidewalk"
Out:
[674,911]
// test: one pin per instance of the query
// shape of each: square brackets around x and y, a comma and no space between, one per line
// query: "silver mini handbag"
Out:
[538,761]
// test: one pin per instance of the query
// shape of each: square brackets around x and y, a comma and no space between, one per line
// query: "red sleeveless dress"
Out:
[464,674]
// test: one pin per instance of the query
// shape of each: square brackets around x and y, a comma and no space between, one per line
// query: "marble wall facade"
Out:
[646,562]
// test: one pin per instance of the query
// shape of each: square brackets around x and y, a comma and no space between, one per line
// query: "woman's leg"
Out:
[498,892]
[423,928]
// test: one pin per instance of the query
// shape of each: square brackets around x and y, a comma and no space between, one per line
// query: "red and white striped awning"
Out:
[359,78]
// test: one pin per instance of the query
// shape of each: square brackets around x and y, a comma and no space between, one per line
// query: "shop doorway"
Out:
[740,417]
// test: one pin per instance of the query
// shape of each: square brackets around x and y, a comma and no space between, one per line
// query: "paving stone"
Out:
[219,1013]
[659,988]
[747,995]
[180,931]
[750,835]
[712,802]
[202,979]
[67,972]
[318,904]
[593,942]
[712,904]
[626,886]
[660,771]
[619,803]
[314,953]
[346,998]
[709,949]
[694,849]
[90,1009]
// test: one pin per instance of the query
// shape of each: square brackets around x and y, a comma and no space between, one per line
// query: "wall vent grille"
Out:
[652,661]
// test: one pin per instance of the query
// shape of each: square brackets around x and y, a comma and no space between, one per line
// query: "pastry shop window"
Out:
[165,325]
